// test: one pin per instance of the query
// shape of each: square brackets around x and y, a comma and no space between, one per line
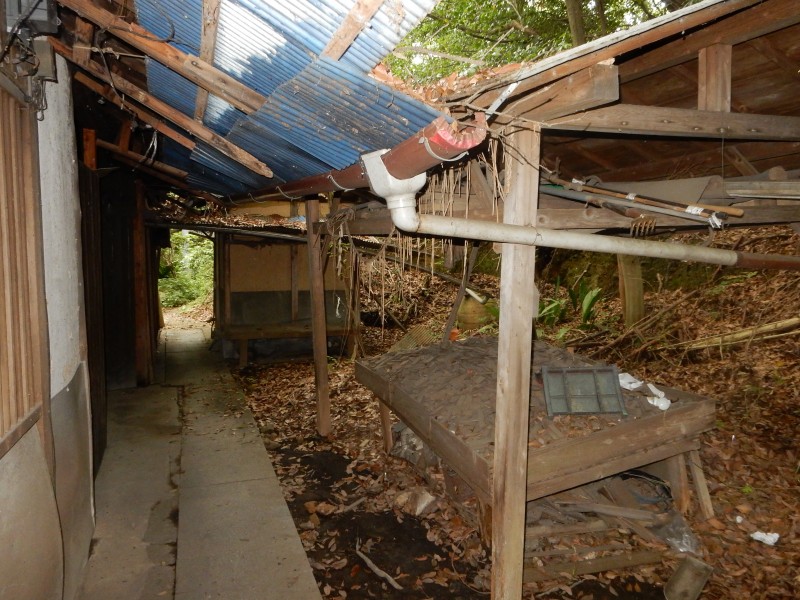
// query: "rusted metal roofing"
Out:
[319,113]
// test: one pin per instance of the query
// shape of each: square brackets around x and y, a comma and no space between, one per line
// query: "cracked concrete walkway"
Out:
[188,504]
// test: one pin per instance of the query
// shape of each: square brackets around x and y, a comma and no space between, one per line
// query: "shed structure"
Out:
[232,103]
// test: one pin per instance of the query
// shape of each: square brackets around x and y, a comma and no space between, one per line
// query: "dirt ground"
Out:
[355,507]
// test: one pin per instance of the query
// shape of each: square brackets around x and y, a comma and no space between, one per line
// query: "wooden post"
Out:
[518,305]
[714,78]
[90,148]
[319,328]
[631,287]
[141,306]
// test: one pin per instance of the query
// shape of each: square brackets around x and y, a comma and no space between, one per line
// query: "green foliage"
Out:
[186,272]
[580,298]
[499,33]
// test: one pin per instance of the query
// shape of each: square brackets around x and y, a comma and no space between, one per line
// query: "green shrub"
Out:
[186,272]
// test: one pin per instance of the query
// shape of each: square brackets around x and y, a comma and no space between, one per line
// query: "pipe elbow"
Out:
[400,194]
[403,209]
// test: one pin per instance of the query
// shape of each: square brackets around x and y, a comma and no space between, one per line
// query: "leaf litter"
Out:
[345,490]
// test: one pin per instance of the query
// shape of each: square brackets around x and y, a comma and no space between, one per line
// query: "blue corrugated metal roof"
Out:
[336,114]
[319,114]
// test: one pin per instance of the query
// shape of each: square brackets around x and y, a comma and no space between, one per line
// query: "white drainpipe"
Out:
[400,196]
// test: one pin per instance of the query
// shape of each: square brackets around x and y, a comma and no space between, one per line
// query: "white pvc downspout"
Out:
[400,196]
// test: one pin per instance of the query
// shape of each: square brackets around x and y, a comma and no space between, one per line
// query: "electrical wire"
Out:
[12,36]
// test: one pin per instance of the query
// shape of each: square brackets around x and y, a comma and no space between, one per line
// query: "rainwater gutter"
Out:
[438,142]
[400,196]
[398,174]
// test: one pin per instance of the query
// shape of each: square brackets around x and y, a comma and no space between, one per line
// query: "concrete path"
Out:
[188,504]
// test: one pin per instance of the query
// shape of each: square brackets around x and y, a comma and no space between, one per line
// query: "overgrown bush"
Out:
[186,273]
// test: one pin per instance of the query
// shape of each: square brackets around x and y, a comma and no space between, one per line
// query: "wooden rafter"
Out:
[589,88]
[106,92]
[714,78]
[764,47]
[706,160]
[755,22]
[162,108]
[84,39]
[654,121]
[353,23]
[139,159]
[208,42]
[589,55]
[192,67]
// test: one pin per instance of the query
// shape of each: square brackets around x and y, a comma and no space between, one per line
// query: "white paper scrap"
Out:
[770,539]
[628,381]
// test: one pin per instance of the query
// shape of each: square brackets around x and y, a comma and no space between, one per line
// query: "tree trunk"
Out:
[600,10]
[575,16]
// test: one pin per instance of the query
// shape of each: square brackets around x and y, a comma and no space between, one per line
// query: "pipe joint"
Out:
[400,194]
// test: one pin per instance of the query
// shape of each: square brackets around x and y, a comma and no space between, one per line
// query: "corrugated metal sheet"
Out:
[220,116]
[177,21]
[336,114]
[252,50]
[319,114]
[287,161]
[175,90]
[233,172]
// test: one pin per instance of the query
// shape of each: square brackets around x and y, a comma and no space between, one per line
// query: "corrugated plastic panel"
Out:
[174,89]
[178,21]
[336,114]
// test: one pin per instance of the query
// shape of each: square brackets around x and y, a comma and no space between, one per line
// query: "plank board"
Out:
[445,393]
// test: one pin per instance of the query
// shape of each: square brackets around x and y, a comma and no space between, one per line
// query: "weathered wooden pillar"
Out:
[631,288]
[518,306]
[141,283]
[319,327]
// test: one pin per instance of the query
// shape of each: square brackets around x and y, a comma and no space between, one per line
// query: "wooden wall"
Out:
[23,351]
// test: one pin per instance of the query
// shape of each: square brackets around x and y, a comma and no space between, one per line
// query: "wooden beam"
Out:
[548,70]
[208,42]
[84,39]
[138,158]
[191,67]
[655,120]
[165,110]
[107,92]
[598,218]
[484,197]
[754,22]
[143,356]
[589,88]
[124,135]
[518,305]
[704,161]
[171,181]
[790,67]
[739,161]
[714,78]
[90,148]
[319,329]
[353,23]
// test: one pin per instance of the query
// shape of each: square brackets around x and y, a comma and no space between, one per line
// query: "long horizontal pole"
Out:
[192,67]
[185,122]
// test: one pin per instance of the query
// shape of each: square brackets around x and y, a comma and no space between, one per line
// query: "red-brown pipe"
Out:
[437,142]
